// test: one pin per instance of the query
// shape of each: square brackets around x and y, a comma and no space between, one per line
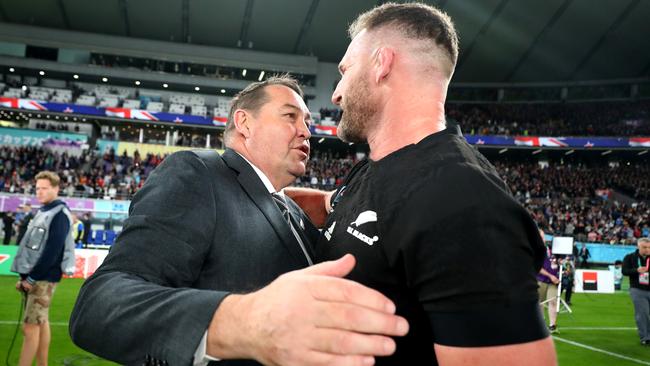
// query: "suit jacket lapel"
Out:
[251,183]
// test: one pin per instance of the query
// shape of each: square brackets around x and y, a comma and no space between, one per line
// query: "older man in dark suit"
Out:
[200,270]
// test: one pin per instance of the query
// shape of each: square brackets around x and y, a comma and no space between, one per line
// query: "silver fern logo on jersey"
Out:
[363,218]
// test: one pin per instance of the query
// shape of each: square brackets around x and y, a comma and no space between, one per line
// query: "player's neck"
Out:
[405,123]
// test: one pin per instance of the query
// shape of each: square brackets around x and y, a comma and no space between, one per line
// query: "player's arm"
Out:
[314,202]
[536,353]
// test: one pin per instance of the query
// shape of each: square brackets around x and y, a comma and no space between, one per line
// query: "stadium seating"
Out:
[88,100]
[131,104]
[14,93]
[109,101]
[155,107]
[97,237]
[177,108]
[198,110]
[109,237]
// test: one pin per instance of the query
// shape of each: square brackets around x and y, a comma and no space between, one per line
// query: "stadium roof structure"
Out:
[501,40]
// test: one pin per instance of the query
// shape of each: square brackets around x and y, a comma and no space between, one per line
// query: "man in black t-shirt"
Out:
[427,217]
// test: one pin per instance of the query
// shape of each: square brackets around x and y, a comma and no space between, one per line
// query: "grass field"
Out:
[600,331]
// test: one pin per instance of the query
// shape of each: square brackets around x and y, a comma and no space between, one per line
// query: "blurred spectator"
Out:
[24,220]
[86,227]
[89,175]
[584,256]
[8,226]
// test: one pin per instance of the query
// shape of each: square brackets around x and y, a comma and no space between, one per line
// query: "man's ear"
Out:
[383,63]
[241,119]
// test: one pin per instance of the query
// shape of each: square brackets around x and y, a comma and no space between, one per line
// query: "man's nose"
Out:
[336,96]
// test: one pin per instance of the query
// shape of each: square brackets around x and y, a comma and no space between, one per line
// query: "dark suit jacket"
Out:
[203,226]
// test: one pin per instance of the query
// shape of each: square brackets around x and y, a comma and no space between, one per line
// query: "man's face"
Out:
[45,192]
[644,248]
[354,93]
[279,135]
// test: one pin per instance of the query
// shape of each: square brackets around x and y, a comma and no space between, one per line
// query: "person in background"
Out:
[618,274]
[548,281]
[77,230]
[8,228]
[568,277]
[46,252]
[24,221]
[584,256]
[86,223]
[636,265]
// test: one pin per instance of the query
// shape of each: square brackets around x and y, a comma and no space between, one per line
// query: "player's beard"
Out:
[359,110]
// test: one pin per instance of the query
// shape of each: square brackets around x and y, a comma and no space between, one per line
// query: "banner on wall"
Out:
[143,149]
[320,130]
[7,254]
[558,142]
[87,261]
[589,281]
[11,202]
[24,137]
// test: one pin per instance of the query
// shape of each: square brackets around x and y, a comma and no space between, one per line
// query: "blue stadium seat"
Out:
[110,237]
[98,237]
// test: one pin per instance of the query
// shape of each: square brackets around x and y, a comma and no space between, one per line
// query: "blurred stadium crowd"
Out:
[596,200]
[568,199]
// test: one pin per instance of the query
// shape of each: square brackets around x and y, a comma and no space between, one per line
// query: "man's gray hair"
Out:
[254,96]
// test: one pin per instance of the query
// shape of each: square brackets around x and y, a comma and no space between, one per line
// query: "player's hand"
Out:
[19,286]
[554,279]
[642,269]
[308,317]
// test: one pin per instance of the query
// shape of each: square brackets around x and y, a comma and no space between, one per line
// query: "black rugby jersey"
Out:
[435,229]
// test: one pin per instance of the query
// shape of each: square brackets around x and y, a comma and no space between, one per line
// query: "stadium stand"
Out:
[554,119]
[568,199]
[548,119]
[600,118]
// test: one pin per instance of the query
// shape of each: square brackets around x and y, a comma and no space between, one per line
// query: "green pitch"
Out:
[62,350]
[600,331]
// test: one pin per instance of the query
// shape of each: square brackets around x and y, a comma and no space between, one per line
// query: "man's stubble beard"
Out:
[358,112]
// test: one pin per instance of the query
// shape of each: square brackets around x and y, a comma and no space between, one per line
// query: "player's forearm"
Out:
[314,202]
[536,353]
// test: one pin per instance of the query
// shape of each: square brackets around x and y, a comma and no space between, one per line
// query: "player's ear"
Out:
[383,63]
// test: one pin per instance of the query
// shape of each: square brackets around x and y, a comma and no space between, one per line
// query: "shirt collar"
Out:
[263,177]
